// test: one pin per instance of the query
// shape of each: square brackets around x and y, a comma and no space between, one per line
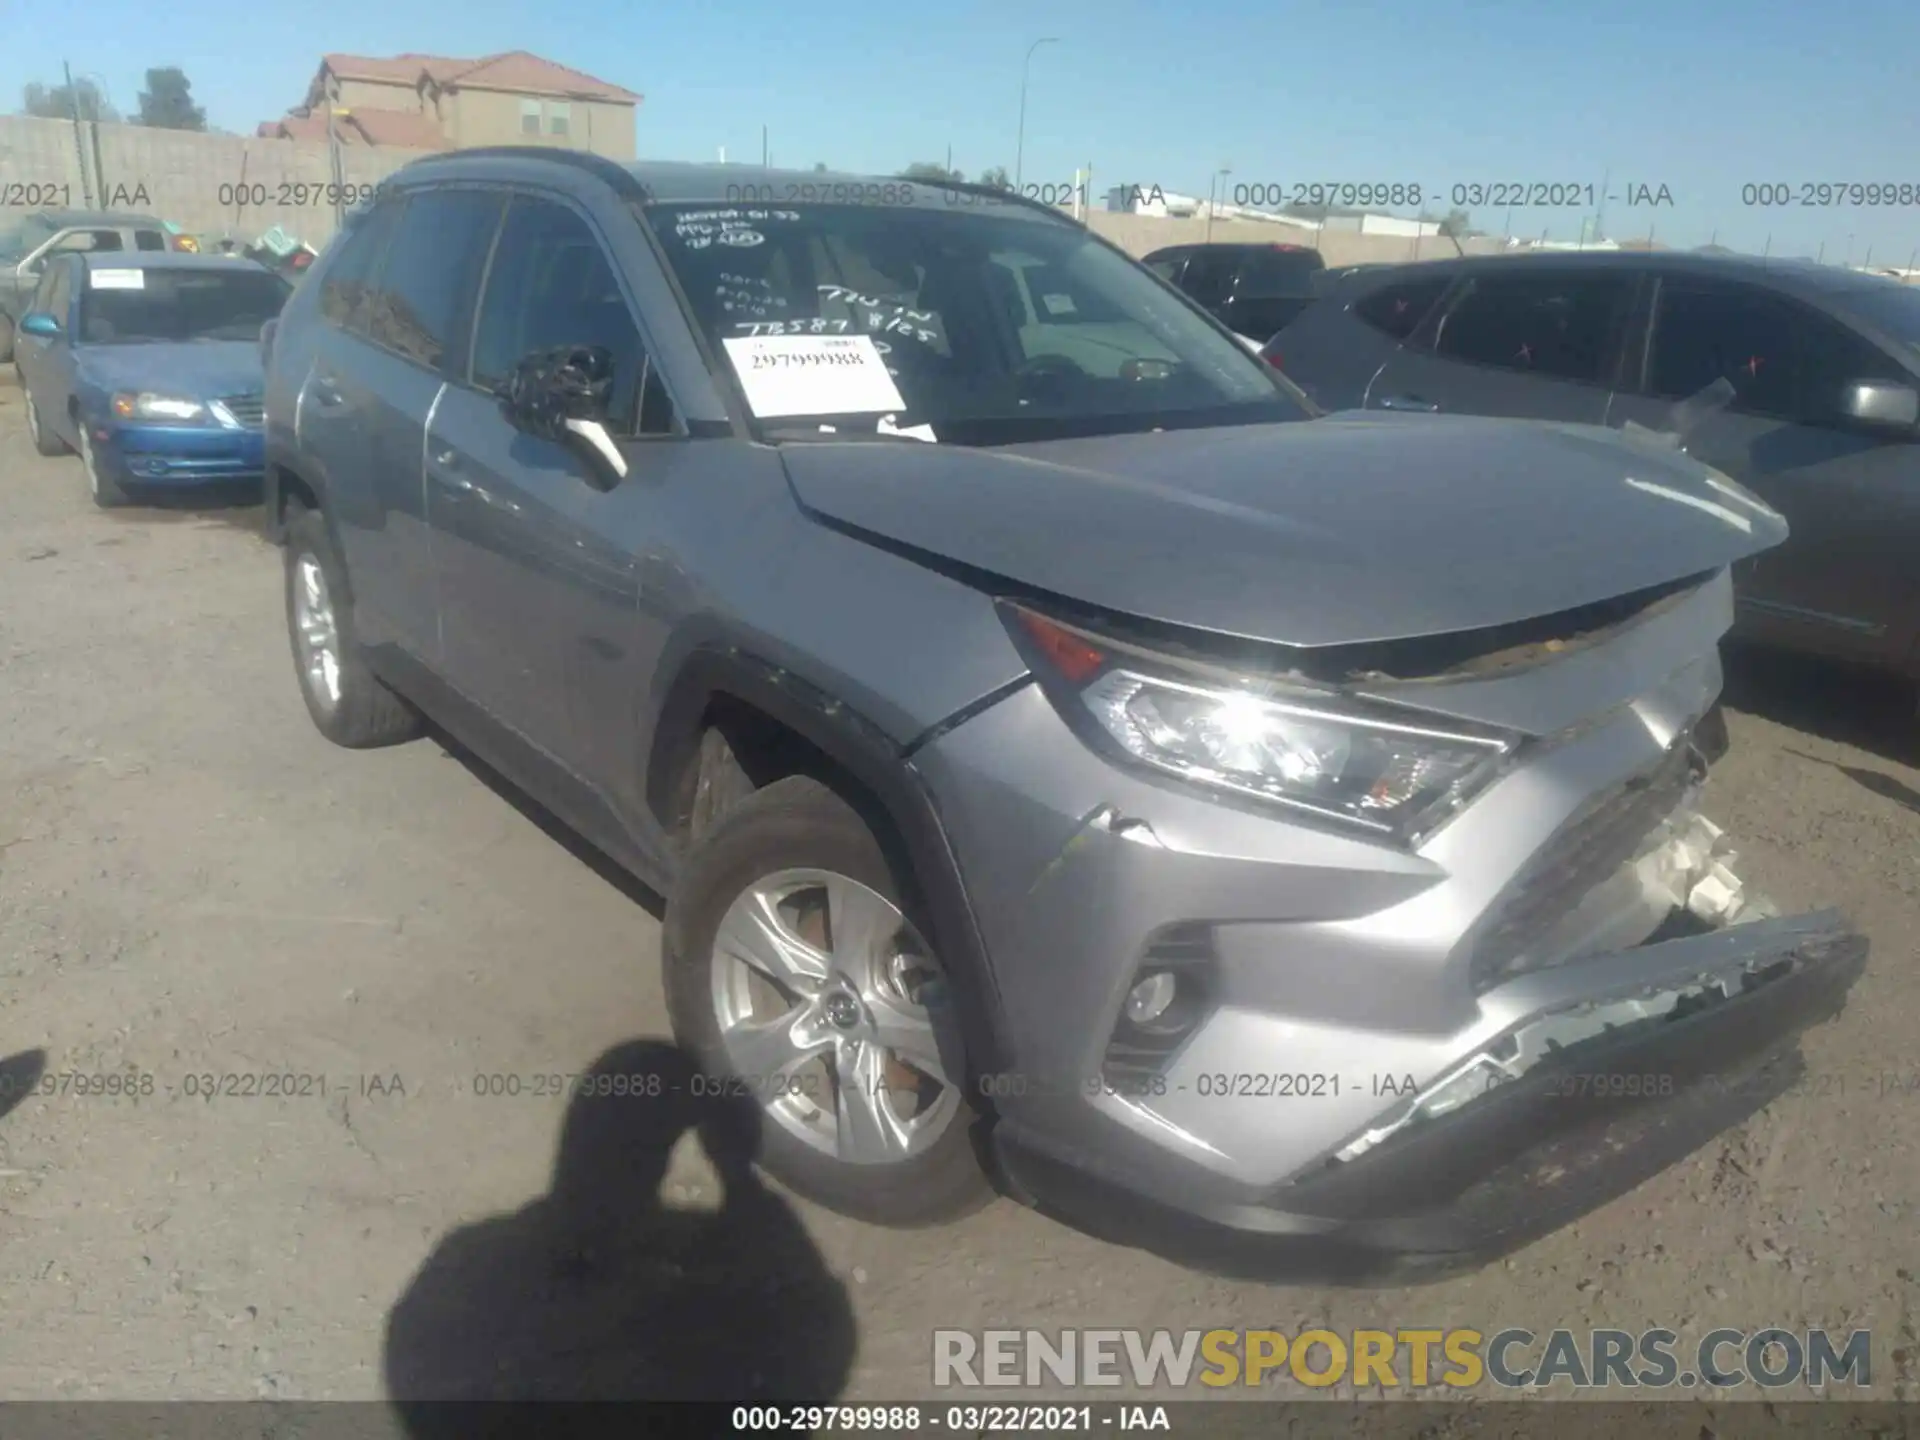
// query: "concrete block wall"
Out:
[209,185]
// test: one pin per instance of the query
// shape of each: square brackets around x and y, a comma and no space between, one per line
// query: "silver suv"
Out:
[1070,761]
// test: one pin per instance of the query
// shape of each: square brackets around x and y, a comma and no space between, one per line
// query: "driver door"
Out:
[527,579]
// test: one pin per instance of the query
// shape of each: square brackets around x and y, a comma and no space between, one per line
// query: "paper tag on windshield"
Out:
[118,279]
[813,375]
[1058,304]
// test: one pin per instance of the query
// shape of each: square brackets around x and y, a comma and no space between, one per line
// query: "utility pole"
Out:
[79,146]
[1020,138]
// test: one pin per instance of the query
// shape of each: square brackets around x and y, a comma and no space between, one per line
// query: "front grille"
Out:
[1586,851]
[249,410]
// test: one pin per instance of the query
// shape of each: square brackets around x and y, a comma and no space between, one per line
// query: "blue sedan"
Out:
[148,364]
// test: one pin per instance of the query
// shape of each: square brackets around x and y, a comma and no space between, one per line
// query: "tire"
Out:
[45,442]
[353,708]
[105,490]
[798,825]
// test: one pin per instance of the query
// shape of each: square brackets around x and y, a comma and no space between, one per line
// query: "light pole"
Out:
[1020,139]
[1213,181]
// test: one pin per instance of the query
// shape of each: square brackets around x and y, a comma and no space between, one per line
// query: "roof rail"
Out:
[615,174]
[970,187]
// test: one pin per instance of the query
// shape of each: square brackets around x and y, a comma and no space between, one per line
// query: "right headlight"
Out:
[1386,770]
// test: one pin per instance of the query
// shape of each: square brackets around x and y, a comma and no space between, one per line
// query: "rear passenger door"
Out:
[386,371]
[538,604]
[1845,581]
[1537,344]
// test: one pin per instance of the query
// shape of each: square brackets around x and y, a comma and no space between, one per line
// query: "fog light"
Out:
[1150,999]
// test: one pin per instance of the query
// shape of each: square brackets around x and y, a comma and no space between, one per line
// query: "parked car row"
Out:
[1824,364]
[1073,762]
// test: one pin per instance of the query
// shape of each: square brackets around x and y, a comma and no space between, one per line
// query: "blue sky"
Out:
[1701,97]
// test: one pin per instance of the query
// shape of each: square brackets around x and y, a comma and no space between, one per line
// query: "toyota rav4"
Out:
[1070,761]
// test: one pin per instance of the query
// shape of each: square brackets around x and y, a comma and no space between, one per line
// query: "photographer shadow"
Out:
[598,1291]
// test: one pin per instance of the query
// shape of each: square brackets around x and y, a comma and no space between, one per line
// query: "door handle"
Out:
[1409,402]
[444,466]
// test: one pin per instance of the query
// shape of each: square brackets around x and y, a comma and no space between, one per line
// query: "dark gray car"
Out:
[1065,759]
[1825,365]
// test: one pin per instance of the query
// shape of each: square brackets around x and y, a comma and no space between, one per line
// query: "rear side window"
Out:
[1397,310]
[1167,267]
[431,272]
[149,240]
[345,291]
[1561,326]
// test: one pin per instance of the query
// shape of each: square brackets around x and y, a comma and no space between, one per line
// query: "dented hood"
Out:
[1341,530]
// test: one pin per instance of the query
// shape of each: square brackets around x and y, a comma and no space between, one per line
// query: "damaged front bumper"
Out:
[1610,1071]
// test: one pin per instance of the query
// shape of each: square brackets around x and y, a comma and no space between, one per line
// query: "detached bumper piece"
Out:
[1578,1126]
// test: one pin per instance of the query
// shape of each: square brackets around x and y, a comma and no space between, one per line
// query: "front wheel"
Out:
[45,442]
[796,976]
[105,490]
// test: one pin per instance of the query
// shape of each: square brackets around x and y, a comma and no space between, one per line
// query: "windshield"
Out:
[134,306]
[987,327]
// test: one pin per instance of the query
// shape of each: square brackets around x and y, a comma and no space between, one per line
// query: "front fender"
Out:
[906,812]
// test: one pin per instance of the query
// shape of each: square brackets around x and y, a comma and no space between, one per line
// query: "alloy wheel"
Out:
[831,1012]
[316,631]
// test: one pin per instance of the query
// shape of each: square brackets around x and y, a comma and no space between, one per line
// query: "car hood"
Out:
[198,369]
[1341,530]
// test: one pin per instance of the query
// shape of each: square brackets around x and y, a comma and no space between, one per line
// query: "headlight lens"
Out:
[148,406]
[1388,771]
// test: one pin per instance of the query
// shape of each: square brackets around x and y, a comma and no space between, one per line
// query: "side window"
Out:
[1834,358]
[1561,325]
[1167,267]
[149,240]
[431,272]
[1397,310]
[1209,276]
[1706,332]
[52,283]
[88,240]
[344,293]
[551,286]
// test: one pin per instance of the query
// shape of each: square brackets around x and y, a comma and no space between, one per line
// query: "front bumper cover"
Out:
[1524,1158]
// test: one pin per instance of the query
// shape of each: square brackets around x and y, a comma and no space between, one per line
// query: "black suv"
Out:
[1824,363]
[1254,290]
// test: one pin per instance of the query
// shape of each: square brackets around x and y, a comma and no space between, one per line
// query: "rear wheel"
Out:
[348,703]
[797,976]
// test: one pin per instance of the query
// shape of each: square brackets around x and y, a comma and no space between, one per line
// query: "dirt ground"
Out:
[194,884]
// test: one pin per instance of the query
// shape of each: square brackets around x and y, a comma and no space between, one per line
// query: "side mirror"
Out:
[1881,405]
[562,395]
[39,322]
